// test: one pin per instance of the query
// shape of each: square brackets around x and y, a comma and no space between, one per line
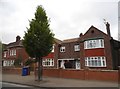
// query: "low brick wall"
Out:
[75,74]
[101,75]
[51,72]
[12,70]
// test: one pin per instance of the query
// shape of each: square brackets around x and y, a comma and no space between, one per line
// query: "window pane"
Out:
[62,49]
[76,47]
[4,54]
[99,61]
[94,43]
[98,43]
[103,63]
[95,62]
[101,43]
[89,63]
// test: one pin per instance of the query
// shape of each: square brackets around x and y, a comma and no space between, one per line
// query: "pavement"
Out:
[48,82]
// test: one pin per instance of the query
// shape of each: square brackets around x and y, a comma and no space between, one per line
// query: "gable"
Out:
[94,33]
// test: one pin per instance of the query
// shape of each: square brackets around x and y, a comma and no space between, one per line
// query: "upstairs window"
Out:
[77,47]
[14,52]
[62,49]
[5,54]
[90,44]
[10,52]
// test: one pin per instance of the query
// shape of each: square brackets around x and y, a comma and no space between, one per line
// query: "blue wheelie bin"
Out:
[24,71]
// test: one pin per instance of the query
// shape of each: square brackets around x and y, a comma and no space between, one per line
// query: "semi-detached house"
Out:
[92,50]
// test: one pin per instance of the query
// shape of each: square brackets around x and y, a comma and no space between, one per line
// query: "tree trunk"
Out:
[40,69]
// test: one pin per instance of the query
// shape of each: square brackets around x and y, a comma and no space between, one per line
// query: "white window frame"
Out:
[5,54]
[14,53]
[53,47]
[10,52]
[11,62]
[48,62]
[91,61]
[77,47]
[62,49]
[91,44]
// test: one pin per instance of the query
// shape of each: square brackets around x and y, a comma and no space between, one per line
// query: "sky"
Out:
[68,18]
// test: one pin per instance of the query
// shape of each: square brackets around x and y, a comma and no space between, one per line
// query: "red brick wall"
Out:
[99,75]
[83,74]
[51,73]
[69,51]
[102,75]
[94,52]
[75,74]
[12,70]
[20,52]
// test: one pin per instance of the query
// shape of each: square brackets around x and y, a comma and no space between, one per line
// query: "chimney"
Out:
[108,29]
[80,35]
[18,38]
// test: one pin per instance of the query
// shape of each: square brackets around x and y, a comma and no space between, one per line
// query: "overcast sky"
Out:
[68,17]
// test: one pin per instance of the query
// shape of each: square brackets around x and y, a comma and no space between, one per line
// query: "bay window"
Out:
[90,44]
[5,54]
[95,61]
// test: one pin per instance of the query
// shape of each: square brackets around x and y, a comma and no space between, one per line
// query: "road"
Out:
[5,85]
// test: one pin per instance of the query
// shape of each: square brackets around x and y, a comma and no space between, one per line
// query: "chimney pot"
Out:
[80,35]
[18,38]
[108,29]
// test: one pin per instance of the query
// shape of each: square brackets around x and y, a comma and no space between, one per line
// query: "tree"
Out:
[18,62]
[38,40]
[29,61]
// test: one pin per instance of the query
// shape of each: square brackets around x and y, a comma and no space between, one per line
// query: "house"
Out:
[68,51]
[93,50]
[50,61]
[14,51]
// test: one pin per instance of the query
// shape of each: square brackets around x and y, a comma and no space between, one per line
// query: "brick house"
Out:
[13,51]
[93,50]
[50,61]
[68,50]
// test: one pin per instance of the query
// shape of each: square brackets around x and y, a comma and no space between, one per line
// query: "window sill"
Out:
[96,66]
[95,48]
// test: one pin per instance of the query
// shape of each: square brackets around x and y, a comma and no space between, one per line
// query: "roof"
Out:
[13,44]
[57,41]
[96,29]
[70,40]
